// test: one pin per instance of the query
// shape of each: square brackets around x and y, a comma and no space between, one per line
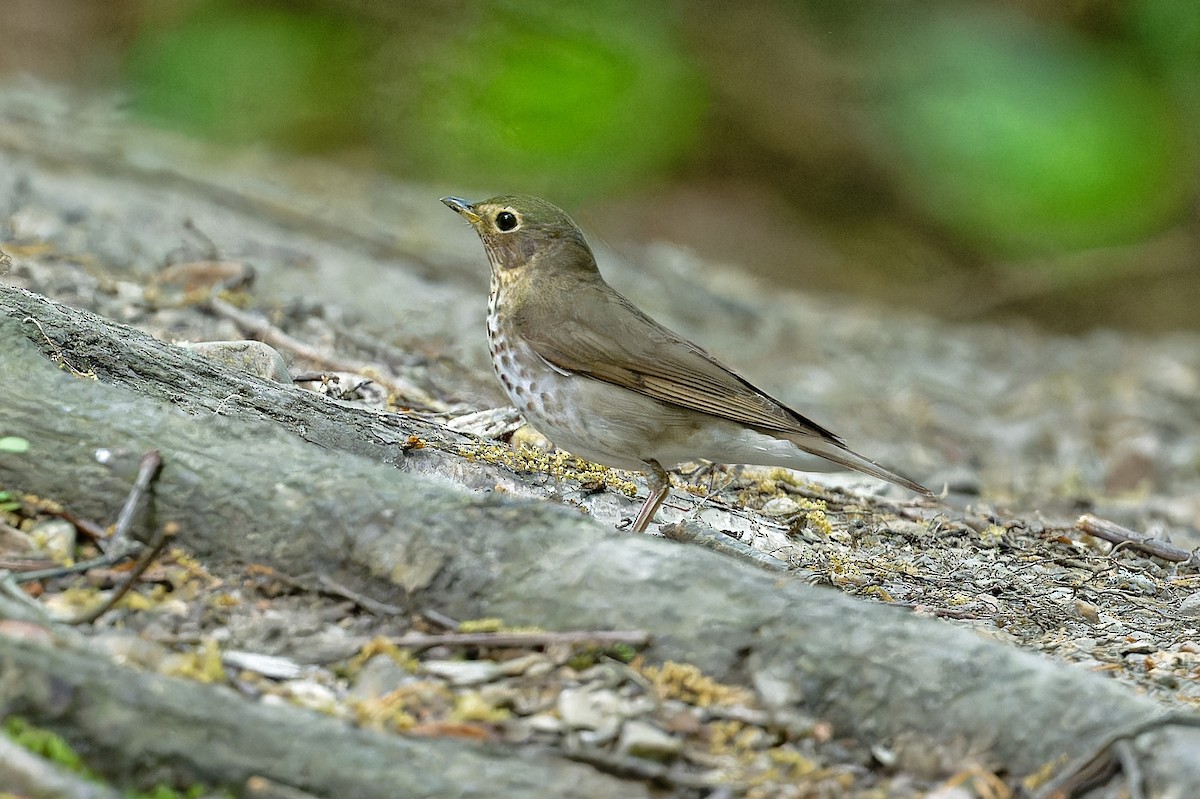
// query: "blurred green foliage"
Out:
[244,73]
[1167,35]
[1017,135]
[571,100]
[1023,140]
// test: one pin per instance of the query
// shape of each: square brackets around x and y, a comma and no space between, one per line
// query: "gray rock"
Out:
[642,739]
[463,672]
[253,357]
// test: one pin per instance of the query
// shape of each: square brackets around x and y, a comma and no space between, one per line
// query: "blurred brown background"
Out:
[972,159]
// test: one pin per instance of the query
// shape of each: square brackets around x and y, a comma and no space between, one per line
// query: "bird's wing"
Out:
[615,342]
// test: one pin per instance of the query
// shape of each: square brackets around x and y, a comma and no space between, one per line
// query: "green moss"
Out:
[54,748]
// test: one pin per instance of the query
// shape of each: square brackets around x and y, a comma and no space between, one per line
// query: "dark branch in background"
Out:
[1123,537]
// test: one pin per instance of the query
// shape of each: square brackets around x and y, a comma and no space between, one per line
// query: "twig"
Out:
[418,641]
[947,613]
[440,619]
[1097,764]
[116,547]
[148,468]
[160,541]
[269,333]
[50,508]
[112,557]
[58,356]
[1123,536]
[693,533]
[263,788]
[331,586]
[638,768]
[22,605]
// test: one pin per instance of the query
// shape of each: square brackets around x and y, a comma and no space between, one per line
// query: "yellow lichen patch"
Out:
[492,625]
[723,735]
[405,707]
[189,564]
[559,465]
[139,602]
[778,474]
[485,625]
[844,571]
[385,713]
[73,601]
[815,515]
[993,534]
[224,601]
[878,592]
[203,665]
[792,765]
[381,646]
[686,682]
[471,706]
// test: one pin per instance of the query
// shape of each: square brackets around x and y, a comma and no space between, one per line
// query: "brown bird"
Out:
[605,382]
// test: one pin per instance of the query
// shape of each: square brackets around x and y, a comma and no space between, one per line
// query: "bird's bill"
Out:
[461,206]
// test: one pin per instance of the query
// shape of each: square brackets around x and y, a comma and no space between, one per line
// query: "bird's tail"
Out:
[842,455]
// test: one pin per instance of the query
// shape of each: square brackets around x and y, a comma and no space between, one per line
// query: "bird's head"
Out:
[521,232]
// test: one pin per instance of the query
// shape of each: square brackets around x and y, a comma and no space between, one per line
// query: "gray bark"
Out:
[139,721]
[258,472]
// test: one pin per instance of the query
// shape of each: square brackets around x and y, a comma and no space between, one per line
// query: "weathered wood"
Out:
[244,488]
[139,722]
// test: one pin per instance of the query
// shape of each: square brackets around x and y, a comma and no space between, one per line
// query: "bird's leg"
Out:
[660,486]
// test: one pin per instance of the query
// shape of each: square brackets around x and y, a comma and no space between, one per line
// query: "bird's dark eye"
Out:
[506,221]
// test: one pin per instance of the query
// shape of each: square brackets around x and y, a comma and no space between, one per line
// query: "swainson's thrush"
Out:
[604,381]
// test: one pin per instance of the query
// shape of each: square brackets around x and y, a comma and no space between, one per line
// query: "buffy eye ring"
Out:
[506,221]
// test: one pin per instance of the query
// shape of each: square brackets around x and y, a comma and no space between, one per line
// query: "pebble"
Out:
[605,734]
[1190,606]
[379,676]
[130,649]
[253,357]
[950,792]
[643,739]
[463,672]
[545,722]
[273,666]
[312,695]
[55,538]
[780,506]
[587,708]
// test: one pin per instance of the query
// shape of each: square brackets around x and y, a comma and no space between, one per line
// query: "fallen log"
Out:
[139,724]
[257,474]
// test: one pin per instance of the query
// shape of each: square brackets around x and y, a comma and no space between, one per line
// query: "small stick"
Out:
[331,586]
[113,556]
[160,542]
[640,768]
[947,613]
[148,468]
[694,533]
[1123,536]
[419,641]
[268,333]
